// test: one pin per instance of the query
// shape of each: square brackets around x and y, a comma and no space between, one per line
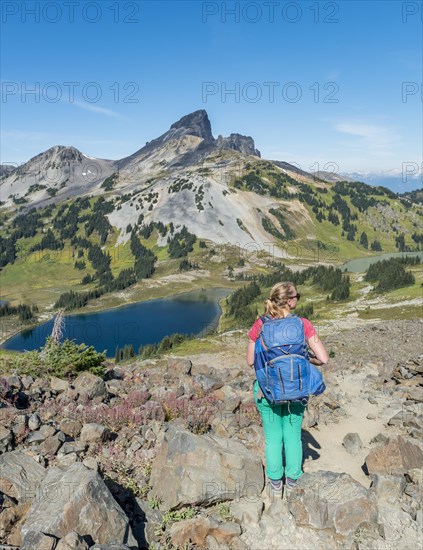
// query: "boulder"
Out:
[146,521]
[14,381]
[6,439]
[396,457]
[50,445]
[246,511]
[20,476]
[76,499]
[40,541]
[93,432]
[114,387]
[34,422]
[89,385]
[179,365]
[388,487]
[27,381]
[192,469]
[72,541]
[207,383]
[352,443]
[197,530]
[193,530]
[329,500]
[58,385]
[77,447]
[70,427]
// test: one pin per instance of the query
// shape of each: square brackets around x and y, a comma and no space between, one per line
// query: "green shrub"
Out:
[69,357]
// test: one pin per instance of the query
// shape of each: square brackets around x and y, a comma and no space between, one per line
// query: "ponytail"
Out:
[276,304]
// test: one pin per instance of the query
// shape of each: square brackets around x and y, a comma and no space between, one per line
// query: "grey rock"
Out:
[91,463]
[6,439]
[114,387]
[20,476]
[179,365]
[47,430]
[379,439]
[70,427]
[35,437]
[247,511]
[58,385]
[50,445]
[34,421]
[27,381]
[207,383]
[77,499]
[77,447]
[352,443]
[64,461]
[328,500]
[72,541]
[151,519]
[396,457]
[388,487]
[39,541]
[90,385]
[397,420]
[194,469]
[93,432]
[14,381]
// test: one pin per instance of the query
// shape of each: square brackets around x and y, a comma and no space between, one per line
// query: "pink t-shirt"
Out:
[254,331]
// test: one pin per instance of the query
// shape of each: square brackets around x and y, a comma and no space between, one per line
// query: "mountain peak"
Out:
[196,124]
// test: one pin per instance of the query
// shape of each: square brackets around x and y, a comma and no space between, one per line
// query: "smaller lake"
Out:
[192,313]
[360,265]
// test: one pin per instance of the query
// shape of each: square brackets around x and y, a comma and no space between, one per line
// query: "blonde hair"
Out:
[278,299]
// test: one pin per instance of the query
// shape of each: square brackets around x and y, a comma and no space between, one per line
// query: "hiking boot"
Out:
[290,483]
[275,488]
[292,491]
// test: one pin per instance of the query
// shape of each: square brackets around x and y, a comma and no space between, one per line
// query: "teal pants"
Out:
[282,428]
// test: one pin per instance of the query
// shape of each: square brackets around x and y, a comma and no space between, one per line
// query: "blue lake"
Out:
[141,323]
[359,265]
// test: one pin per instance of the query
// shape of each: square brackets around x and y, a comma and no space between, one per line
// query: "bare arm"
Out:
[250,353]
[318,349]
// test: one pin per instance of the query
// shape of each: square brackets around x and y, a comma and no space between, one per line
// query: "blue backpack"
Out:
[281,362]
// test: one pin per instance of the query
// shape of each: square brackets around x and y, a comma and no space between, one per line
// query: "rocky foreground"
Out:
[169,454]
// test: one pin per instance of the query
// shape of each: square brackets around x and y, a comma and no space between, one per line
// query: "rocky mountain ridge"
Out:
[220,189]
[68,171]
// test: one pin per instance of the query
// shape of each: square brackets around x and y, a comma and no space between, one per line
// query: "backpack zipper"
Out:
[280,379]
[299,376]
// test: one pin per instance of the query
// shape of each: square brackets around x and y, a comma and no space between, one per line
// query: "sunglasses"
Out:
[298,296]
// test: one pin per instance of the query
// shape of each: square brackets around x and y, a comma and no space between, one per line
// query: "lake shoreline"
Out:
[45,318]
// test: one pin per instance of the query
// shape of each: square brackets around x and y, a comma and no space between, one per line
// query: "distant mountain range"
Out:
[396,180]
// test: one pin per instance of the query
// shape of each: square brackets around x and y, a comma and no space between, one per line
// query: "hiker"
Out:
[282,423]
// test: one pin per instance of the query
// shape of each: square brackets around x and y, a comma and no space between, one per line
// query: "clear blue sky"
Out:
[182,56]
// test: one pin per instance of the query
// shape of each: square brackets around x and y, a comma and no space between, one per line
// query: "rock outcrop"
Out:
[76,499]
[237,142]
[191,469]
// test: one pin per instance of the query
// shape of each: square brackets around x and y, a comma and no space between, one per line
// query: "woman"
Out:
[282,423]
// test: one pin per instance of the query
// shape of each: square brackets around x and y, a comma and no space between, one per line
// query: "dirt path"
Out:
[355,387]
